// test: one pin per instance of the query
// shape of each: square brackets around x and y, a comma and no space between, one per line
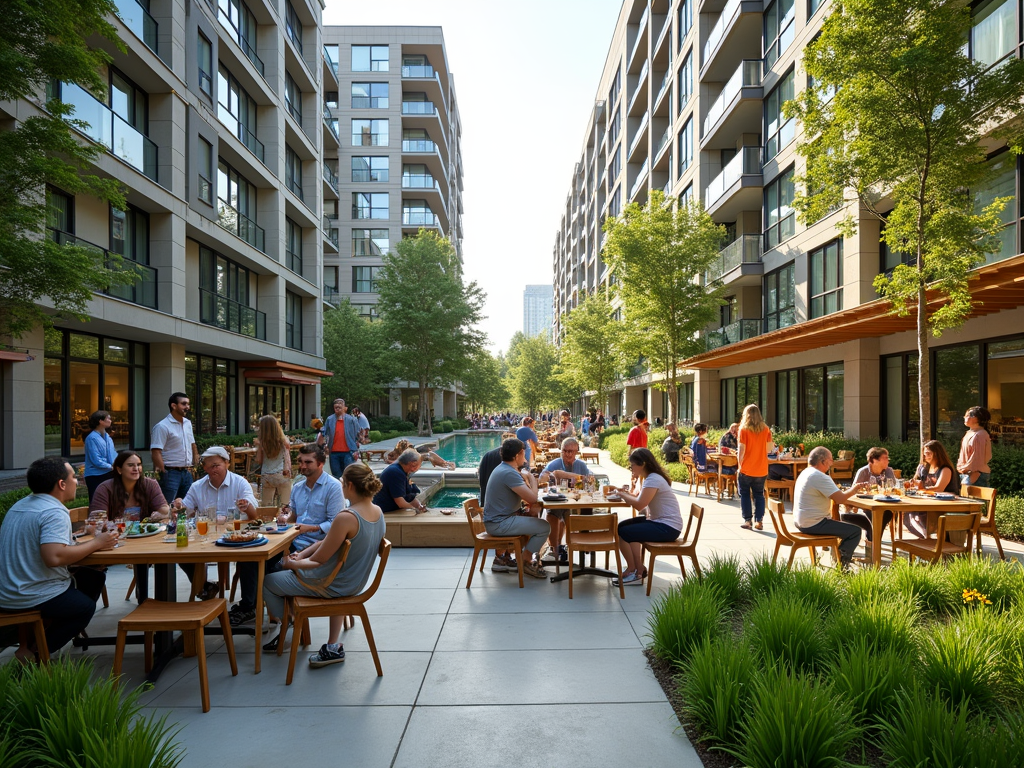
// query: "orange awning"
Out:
[288,373]
[994,287]
[15,357]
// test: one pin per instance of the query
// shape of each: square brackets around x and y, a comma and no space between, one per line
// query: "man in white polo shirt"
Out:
[812,498]
[174,449]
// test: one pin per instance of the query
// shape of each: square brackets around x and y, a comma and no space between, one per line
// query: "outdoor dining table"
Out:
[165,555]
[927,504]
[585,501]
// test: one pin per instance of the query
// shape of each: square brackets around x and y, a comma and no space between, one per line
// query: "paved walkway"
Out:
[489,675]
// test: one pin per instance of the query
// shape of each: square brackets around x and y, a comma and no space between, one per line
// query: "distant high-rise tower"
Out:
[537,310]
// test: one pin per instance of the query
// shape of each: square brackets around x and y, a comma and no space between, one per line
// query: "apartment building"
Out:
[213,123]
[690,102]
[537,310]
[397,168]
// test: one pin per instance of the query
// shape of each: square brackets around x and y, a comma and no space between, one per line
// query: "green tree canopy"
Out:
[896,116]
[39,42]
[590,356]
[532,368]
[659,255]
[427,314]
[482,382]
[356,354]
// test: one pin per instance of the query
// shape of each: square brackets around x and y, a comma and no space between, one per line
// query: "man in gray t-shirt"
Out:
[506,488]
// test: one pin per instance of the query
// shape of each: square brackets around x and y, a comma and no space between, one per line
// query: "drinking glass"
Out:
[222,519]
[202,526]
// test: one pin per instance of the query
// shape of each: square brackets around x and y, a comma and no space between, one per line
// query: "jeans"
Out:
[340,460]
[521,525]
[965,479]
[175,483]
[849,533]
[751,486]
[69,613]
[249,574]
[642,529]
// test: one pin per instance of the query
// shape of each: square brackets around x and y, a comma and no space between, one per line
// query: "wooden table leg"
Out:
[259,614]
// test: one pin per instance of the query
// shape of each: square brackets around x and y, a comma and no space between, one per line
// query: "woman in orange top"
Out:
[755,440]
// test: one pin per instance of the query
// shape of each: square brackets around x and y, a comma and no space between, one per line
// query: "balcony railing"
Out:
[665,140]
[745,249]
[250,53]
[295,186]
[419,219]
[418,145]
[138,20]
[330,61]
[293,260]
[746,162]
[332,296]
[241,225]
[641,178]
[253,144]
[420,181]
[639,83]
[330,177]
[330,230]
[222,312]
[330,122]
[730,334]
[141,292]
[418,108]
[639,132]
[666,81]
[718,31]
[639,32]
[418,70]
[747,75]
[106,127]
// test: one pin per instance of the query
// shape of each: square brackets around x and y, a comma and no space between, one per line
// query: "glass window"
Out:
[993,30]
[614,125]
[826,268]
[129,234]
[684,406]
[813,398]
[293,320]
[369,133]
[293,172]
[369,95]
[616,166]
[778,130]
[224,292]
[686,196]
[778,30]
[957,388]
[780,297]
[293,98]
[370,205]
[331,99]
[779,216]
[686,146]
[212,385]
[1003,183]
[685,81]
[237,110]
[60,211]
[1005,390]
[368,311]
[834,394]
[370,168]
[205,163]
[293,245]
[364,279]
[786,396]
[293,26]
[813,6]
[370,242]
[613,92]
[238,18]
[740,392]
[369,58]
[128,101]
[685,20]
[205,56]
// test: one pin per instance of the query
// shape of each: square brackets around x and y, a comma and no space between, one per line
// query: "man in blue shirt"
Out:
[565,467]
[528,437]
[399,492]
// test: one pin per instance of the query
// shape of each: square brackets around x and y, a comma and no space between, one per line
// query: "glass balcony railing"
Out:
[745,249]
[664,141]
[639,132]
[241,225]
[418,70]
[141,292]
[104,126]
[330,230]
[330,177]
[718,31]
[253,144]
[419,181]
[666,81]
[418,145]
[138,20]
[330,61]
[331,122]
[639,86]
[418,108]
[747,75]
[639,32]
[419,219]
[332,296]
[641,178]
[730,334]
[746,162]
[222,312]
[250,53]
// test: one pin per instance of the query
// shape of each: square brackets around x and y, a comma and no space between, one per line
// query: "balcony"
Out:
[730,334]
[332,296]
[418,71]
[737,107]
[418,108]
[738,29]
[413,218]
[641,34]
[138,20]
[640,90]
[743,253]
[253,144]
[330,231]
[222,312]
[420,181]
[141,292]
[236,34]
[331,62]
[105,127]
[739,184]
[664,142]
[330,177]
[641,179]
[666,84]
[331,123]
[641,133]
[241,225]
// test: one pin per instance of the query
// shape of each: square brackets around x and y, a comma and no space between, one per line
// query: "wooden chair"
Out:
[79,516]
[682,547]
[841,470]
[23,620]
[483,541]
[933,550]
[593,533]
[264,515]
[796,540]
[188,618]
[301,608]
[697,477]
[727,483]
[988,522]
[783,488]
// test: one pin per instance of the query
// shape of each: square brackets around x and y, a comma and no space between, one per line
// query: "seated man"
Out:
[672,443]
[728,444]
[507,487]
[565,467]
[699,448]
[36,549]
[503,560]
[529,437]
[399,492]
[812,499]
[873,473]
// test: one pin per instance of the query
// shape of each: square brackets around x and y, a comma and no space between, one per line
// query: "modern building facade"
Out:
[690,102]
[537,310]
[213,123]
[398,166]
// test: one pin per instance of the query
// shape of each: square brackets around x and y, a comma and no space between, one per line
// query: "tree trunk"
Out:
[924,393]
[424,426]
[673,395]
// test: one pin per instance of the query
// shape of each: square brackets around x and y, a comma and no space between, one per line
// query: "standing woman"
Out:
[662,520]
[755,440]
[975,448]
[99,451]
[275,457]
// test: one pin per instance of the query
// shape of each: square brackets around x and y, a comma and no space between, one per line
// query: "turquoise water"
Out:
[467,450]
[452,498]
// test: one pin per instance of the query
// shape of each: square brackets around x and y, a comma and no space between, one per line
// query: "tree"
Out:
[356,354]
[896,115]
[427,313]
[532,365]
[482,382]
[659,255]
[590,355]
[42,42]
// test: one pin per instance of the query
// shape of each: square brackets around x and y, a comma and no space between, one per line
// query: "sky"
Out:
[526,75]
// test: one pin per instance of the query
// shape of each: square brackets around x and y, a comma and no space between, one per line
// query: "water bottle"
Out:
[182,532]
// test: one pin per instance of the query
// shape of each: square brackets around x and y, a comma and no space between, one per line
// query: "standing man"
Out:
[528,436]
[341,436]
[174,449]
[399,492]
[812,498]
[637,437]
[364,425]
[507,487]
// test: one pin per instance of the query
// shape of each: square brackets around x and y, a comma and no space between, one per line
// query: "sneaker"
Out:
[630,577]
[242,617]
[563,553]
[746,525]
[327,655]
[536,570]
[758,526]
[504,564]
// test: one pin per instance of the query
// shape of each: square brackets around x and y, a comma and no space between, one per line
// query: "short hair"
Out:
[176,398]
[874,454]
[640,414]
[355,409]
[570,441]
[527,421]
[44,474]
[338,400]
[97,417]
[818,455]
[510,448]
[700,427]
[409,456]
[317,451]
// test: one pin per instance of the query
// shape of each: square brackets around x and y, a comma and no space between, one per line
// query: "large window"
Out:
[292,320]
[826,265]
[293,98]
[369,58]
[686,146]
[370,169]
[787,389]
[685,20]
[614,125]
[616,165]
[780,298]
[1005,390]
[369,133]
[994,30]
[293,245]
[211,384]
[957,388]
[370,205]
[224,289]
[293,172]
[237,110]
[1003,183]
[364,279]
[369,95]
[293,26]
[779,215]
[613,92]
[205,57]
[236,205]
[778,30]
[238,18]
[205,171]
[685,81]
[284,402]
[740,392]
[821,398]
[129,102]
[370,242]
[778,130]
[686,196]
[684,406]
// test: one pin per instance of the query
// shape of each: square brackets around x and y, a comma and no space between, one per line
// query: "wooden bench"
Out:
[591,455]
[373,454]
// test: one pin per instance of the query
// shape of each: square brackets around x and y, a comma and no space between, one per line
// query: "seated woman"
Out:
[662,520]
[935,473]
[425,455]
[128,493]
[873,473]
[307,572]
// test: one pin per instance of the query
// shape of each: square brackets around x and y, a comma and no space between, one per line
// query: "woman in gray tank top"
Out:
[309,572]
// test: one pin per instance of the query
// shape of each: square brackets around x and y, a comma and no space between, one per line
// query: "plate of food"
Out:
[554,497]
[241,539]
[143,530]
[945,496]
[887,499]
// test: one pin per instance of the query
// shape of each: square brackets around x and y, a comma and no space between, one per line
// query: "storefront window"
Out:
[1005,382]
[834,408]
[740,392]
[211,384]
[284,402]
[957,388]
[786,393]
[814,400]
